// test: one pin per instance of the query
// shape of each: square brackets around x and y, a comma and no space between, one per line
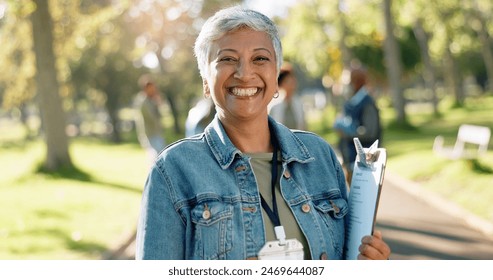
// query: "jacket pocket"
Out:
[332,210]
[336,208]
[212,229]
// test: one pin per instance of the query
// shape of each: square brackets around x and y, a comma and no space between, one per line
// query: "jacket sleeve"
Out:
[161,231]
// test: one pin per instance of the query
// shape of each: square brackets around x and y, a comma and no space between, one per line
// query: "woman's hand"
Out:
[373,248]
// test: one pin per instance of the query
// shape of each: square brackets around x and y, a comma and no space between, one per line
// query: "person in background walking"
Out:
[148,120]
[360,118]
[288,109]
[199,117]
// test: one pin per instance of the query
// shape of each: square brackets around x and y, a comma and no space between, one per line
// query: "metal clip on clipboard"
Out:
[366,159]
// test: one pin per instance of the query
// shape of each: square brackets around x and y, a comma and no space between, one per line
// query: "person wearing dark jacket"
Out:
[361,118]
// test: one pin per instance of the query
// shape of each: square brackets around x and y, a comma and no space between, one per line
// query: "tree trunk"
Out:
[393,64]
[487,54]
[174,111]
[112,106]
[50,104]
[452,76]
[486,47]
[170,98]
[116,134]
[428,72]
[345,51]
[337,100]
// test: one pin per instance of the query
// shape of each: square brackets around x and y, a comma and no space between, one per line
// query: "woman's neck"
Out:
[250,137]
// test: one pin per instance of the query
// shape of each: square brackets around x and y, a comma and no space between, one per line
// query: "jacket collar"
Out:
[292,148]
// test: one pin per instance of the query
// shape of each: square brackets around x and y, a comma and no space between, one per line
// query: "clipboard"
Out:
[364,195]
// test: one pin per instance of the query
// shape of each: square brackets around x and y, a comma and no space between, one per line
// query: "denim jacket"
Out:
[201,199]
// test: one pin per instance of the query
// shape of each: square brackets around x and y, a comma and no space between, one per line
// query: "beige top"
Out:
[261,164]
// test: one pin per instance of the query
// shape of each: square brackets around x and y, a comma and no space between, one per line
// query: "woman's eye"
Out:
[261,58]
[227,59]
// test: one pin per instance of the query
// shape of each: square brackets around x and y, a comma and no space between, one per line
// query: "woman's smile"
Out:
[244,92]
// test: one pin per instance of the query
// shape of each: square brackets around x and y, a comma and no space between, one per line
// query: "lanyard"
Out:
[274,212]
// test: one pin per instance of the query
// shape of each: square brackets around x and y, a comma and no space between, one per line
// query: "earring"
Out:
[276,94]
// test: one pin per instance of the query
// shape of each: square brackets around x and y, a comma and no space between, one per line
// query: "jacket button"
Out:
[287,174]
[323,256]
[305,208]
[240,168]
[206,214]
[336,209]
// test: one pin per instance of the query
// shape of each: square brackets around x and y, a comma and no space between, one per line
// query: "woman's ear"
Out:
[206,89]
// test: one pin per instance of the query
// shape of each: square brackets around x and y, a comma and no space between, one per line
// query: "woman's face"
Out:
[242,75]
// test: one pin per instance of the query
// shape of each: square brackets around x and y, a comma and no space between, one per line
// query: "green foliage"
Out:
[410,54]
[372,56]
[17,59]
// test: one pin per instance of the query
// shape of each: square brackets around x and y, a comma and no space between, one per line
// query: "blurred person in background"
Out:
[148,119]
[361,118]
[199,117]
[288,108]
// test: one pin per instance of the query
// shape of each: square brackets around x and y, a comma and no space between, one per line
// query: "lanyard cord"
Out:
[272,213]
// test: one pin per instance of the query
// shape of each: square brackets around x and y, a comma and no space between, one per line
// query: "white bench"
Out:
[472,142]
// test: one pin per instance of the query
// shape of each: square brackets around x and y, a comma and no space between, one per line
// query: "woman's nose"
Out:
[243,71]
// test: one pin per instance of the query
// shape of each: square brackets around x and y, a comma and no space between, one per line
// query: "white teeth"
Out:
[244,91]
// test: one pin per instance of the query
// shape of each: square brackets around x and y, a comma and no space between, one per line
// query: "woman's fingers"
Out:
[374,248]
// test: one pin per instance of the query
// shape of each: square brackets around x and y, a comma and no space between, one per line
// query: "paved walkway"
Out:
[418,225]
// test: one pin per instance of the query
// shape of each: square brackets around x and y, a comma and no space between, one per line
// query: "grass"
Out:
[77,213]
[467,183]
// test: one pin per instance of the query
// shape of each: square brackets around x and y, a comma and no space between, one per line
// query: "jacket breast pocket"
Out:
[212,229]
[332,210]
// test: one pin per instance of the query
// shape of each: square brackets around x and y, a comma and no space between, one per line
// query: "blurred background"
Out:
[72,169]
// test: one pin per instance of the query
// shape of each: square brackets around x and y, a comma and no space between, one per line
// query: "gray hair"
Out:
[231,19]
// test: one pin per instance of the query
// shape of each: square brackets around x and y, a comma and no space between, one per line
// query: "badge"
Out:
[273,250]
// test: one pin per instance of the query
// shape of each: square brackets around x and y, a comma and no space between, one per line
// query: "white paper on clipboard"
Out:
[364,195]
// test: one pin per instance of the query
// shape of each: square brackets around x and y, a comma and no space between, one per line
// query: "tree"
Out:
[428,71]
[452,18]
[393,64]
[50,105]
[480,25]
[103,68]
[419,16]
[319,52]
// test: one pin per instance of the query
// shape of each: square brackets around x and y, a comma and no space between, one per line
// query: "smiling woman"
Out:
[248,187]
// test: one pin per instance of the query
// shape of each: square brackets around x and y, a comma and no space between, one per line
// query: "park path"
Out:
[419,225]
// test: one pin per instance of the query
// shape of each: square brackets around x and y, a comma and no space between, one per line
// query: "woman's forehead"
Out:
[244,38]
